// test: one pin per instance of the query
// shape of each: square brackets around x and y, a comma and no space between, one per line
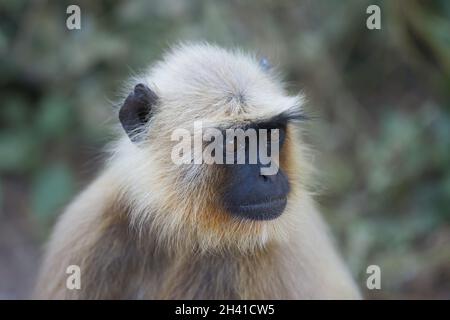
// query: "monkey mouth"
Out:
[266,210]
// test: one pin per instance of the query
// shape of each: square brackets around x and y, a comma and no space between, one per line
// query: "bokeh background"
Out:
[380,100]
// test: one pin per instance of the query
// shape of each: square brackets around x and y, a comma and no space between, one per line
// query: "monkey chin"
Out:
[247,228]
[261,211]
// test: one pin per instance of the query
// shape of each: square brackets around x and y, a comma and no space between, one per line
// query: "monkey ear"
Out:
[136,110]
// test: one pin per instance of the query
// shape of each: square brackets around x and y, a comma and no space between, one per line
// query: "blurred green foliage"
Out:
[381,101]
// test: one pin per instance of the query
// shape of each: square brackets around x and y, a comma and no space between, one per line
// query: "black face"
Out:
[251,195]
[254,196]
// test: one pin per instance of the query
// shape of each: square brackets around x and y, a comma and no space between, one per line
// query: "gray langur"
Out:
[147,228]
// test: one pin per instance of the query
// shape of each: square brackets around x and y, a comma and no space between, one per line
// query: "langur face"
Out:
[250,181]
[251,190]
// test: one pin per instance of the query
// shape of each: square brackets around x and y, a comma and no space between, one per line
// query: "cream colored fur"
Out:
[174,209]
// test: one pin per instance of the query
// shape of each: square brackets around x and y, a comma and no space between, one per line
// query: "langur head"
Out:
[211,156]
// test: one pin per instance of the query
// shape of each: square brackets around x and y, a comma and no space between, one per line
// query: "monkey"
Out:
[147,228]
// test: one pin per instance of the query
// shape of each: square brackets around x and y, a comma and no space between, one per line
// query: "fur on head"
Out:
[179,204]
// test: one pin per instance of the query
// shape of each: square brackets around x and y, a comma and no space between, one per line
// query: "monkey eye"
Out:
[233,145]
[281,134]
[271,139]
